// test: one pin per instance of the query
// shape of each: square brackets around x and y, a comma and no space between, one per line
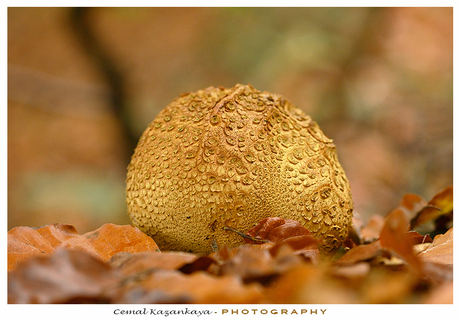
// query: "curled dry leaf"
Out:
[394,237]
[441,204]
[25,242]
[275,229]
[412,203]
[67,276]
[360,253]
[441,250]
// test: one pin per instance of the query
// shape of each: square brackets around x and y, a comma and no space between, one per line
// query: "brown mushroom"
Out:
[232,157]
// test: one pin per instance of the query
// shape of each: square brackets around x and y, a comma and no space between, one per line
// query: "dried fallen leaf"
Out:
[67,276]
[285,231]
[394,237]
[199,287]
[249,263]
[254,264]
[437,273]
[25,242]
[117,264]
[441,250]
[417,238]
[275,229]
[305,245]
[129,263]
[441,204]
[360,253]
[412,203]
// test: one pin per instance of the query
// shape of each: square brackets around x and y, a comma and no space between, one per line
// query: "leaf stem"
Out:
[245,235]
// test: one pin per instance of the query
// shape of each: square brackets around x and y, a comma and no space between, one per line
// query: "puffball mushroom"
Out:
[221,158]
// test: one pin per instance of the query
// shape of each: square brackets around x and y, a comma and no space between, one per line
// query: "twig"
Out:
[245,235]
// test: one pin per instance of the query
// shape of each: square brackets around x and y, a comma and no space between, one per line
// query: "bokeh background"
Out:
[83,84]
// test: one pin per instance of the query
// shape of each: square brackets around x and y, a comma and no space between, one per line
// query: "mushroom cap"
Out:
[232,157]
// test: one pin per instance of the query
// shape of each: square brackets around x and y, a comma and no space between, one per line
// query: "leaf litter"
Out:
[389,259]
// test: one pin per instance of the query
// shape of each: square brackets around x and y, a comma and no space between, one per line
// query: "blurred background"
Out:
[84,83]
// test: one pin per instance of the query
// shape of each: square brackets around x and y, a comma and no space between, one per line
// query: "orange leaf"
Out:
[129,263]
[417,238]
[361,253]
[276,229]
[441,204]
[394,237]
[441,250]
[249,263]
[65,277]
[412,203]
[25,242]
[286,231]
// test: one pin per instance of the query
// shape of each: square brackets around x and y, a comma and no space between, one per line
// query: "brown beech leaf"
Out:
[248,263]
[412,203]
[199,287]
[129,263]
[67,276]
[394,237]
[438,273]
[286,231]
[255,264]
[417,238]
[25,242]
[441,251]
[361,253]
[276,229]
[305,245]
[225,253]
[441,204]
